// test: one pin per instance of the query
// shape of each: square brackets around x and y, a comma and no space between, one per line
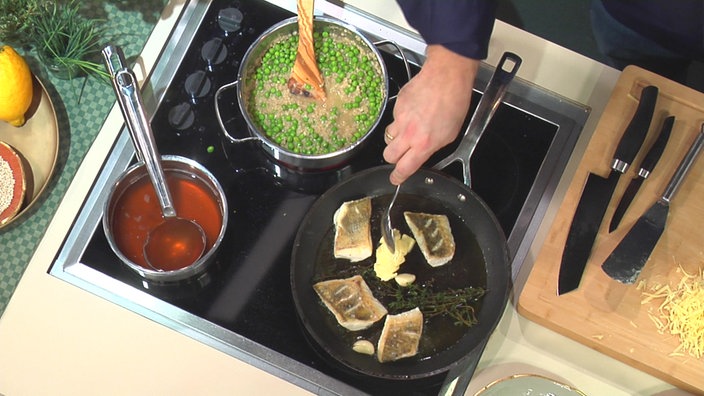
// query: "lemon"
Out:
[15,86]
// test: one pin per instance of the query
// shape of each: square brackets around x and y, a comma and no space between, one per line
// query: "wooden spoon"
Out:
[305,77]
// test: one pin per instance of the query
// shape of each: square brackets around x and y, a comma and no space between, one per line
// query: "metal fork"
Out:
[386,228]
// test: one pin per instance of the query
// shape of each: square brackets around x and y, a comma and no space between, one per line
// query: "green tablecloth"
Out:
[81,105]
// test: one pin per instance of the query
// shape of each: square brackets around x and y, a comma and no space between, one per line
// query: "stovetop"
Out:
[243,303]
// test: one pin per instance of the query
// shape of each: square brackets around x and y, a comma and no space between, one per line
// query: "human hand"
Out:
[429,111]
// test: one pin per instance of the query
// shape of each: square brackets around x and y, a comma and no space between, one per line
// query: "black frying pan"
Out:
[481,259]
[481,256]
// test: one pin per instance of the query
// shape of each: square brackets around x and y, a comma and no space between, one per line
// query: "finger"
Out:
[407,165]
[395,150]
[388,137]
[392,131]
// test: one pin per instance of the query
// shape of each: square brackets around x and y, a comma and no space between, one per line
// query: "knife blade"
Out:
[626,262]
[646,167]
[597,193]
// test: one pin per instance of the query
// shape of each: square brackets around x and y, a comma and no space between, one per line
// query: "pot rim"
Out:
[182,273]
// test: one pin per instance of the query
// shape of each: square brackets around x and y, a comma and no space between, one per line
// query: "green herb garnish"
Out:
[14,21]
[65,38]
[458,304]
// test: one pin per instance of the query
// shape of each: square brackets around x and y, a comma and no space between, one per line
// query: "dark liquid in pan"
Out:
[467,268]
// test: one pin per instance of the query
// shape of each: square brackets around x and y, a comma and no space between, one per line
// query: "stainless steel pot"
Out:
[249,65]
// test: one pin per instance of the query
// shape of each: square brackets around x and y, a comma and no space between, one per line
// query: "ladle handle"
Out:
[489,102]
[129,98]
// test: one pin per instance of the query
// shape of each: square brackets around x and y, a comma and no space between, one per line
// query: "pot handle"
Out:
[489,102]
[403,57]
[219,117]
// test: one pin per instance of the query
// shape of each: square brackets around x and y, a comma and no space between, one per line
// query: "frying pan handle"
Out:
[219,116]
[457,379]
[401,53]
[489,102]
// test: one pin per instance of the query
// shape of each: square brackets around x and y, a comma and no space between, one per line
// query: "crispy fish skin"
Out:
[400,336]
[353,235]
[351,302]
[433,234]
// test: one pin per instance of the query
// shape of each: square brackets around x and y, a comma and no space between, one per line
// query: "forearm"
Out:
[450,67]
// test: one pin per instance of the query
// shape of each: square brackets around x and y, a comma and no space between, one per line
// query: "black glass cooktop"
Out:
[247,289]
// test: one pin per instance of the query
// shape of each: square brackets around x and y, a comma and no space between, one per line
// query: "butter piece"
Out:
[387,264]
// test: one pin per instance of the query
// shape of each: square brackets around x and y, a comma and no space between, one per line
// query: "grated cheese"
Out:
[681,312]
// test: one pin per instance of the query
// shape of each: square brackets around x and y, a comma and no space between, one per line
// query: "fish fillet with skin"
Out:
[433,234]
[400,336]
[353,235]
[351,302]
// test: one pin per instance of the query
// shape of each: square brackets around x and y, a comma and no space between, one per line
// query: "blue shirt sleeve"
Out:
[462,26]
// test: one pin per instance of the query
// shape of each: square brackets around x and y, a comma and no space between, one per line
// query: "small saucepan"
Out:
[481,258]
[166,215]
[132,211]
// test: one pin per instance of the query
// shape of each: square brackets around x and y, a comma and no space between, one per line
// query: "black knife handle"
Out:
[636,130]
[653,156]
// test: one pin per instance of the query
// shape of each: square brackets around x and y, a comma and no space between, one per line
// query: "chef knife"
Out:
[597,193]
[647,166]
[626,261]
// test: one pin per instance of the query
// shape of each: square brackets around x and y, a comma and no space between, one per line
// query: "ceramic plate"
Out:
[527,385]
[37,141]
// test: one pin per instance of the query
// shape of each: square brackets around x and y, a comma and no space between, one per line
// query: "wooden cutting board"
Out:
[602,313]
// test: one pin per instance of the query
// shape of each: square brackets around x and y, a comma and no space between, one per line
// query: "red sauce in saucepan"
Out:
[137,212]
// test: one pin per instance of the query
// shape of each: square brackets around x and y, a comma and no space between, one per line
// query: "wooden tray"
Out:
[602,313]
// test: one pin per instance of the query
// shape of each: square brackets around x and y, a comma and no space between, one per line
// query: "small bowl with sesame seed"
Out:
[13,183]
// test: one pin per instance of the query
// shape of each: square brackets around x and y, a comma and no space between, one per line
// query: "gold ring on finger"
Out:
[388,137]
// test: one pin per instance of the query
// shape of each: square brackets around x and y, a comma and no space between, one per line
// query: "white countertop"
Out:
[56,338]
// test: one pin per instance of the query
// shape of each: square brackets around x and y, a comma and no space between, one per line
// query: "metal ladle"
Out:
[175,242]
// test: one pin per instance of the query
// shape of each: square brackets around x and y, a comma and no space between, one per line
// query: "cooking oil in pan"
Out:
[467,268]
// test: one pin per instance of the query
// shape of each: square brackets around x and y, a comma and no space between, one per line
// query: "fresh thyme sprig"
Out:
[14,17]
[458,304]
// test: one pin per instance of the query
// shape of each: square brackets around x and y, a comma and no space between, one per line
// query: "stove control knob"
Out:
[230,20]
[197,85]
[181,116]
[213,52]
